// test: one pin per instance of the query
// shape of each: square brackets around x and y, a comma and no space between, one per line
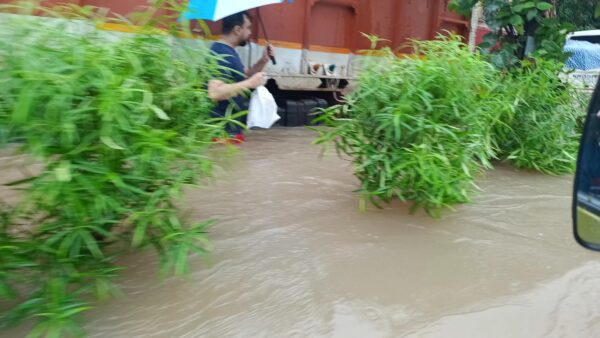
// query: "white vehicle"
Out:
[584,73]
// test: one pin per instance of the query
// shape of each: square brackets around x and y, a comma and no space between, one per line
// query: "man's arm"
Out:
[221,91]
[260,65]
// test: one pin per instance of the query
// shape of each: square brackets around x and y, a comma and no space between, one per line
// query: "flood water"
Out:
[295,257]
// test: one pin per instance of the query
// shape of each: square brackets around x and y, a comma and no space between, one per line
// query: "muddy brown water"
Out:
[294,257]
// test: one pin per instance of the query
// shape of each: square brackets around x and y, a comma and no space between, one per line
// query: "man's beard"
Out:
[243,43]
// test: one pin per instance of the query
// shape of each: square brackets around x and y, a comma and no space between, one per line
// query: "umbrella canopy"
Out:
[214,10]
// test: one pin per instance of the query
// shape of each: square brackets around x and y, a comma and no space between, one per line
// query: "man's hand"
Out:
[268,53]
[220,91]
[256,80]
[260,65]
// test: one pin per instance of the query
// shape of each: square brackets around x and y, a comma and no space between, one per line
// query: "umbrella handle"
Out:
[272,57]
[262,25]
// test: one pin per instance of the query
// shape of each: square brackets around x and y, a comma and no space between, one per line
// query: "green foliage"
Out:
[520,29]
[542,131]
[120,125]
[420,129]
[584,14]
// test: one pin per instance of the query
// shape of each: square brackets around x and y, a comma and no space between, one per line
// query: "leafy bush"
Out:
[419,129]
[542,130]
[119,125]
[579,13]
[520,28]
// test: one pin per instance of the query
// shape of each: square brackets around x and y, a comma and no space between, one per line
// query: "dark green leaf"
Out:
[544,6]
[516,20]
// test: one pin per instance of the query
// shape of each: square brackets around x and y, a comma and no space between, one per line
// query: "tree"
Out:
[579,13]
[520,29]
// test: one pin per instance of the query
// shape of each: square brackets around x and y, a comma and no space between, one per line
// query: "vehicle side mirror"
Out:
[586,196]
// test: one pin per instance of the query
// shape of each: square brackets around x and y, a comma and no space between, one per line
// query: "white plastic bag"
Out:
[263,109]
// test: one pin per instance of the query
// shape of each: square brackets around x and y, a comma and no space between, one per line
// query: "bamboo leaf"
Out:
[91,244]
[110,143]
[159,113]
[139,234]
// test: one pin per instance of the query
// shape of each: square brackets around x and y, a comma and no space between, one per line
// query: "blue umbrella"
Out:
[214,10]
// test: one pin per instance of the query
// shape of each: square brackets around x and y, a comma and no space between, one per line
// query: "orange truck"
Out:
[318,42]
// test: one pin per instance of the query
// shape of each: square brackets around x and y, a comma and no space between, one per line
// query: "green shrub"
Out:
[419,129]
[542,130]
[515,25]
[119,124]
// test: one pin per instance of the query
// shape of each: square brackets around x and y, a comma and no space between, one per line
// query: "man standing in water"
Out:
[237,30]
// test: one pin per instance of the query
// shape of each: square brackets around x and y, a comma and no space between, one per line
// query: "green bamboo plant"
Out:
[120,125]
[421,128]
